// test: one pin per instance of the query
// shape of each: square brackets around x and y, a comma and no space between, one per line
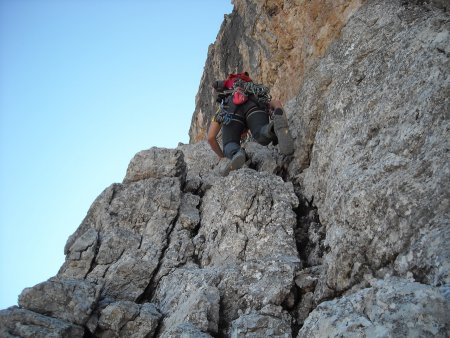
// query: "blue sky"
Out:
[84,85]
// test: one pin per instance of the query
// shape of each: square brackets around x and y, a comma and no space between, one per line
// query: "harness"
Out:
[228,116]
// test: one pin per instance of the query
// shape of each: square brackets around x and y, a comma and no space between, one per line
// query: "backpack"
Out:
[234,81]
[240,85]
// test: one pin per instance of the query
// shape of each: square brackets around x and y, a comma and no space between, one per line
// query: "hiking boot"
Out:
[281,128]
[267,135]
[236,162]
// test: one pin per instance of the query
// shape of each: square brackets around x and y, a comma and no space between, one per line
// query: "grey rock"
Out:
[254,285]
[428,258]
[305,307]
[132,223]
[389,308]
[248,216]
[248,224]
[114,242]
[201,308]
[370,122]
[195,300]
[129,277]
[128,319]
[181,249]
[202,166]
[189,216]
[81,255]
[376,109]
[441,4]
[264,158]
[306,281]
[246,236]
[272,323]
[155,163]
[69,300]
[307,278]
[185,330]
[16,322]
[116,315]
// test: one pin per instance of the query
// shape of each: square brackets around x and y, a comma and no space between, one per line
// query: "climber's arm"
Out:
[213,131]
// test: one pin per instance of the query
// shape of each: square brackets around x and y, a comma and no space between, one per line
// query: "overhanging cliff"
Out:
[350,236]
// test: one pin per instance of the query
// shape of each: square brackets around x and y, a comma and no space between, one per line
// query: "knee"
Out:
[230,149]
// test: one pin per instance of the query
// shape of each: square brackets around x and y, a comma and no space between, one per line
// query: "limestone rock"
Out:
[428,258]
[185,330]
[128,319]
[189,216]
[133,223]
[200,308]
[373,155]
[267,323]
[69,300]
[155,163]
[264,158]
[201,165]
[389,308]
[81,254]
[195,300]
[275,41]
[16,322]
[248,216]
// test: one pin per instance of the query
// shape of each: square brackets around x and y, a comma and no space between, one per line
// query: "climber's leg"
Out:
[261,128]
[231,136]
[230,149]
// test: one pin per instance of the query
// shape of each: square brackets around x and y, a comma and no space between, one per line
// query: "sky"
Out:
[84,86]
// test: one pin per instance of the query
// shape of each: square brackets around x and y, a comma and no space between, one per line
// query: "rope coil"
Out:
[260,91]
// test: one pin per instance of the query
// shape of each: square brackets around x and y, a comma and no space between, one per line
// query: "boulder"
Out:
[128,229]
[269,322]
[155,163]
[128,319]
[68,299]
[16,322]
[388,308]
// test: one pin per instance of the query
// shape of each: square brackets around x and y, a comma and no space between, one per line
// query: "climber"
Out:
[246,106]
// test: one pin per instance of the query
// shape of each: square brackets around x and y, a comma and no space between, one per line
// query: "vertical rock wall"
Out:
[276,41]
[377,158]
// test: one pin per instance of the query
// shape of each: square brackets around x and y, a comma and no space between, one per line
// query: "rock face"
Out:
[275,40]
[350,236]
[381,148]
[389,308]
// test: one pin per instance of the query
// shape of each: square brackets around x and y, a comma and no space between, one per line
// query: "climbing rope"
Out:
[260,91]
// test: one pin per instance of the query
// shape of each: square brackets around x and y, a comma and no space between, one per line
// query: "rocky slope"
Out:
[348,237]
